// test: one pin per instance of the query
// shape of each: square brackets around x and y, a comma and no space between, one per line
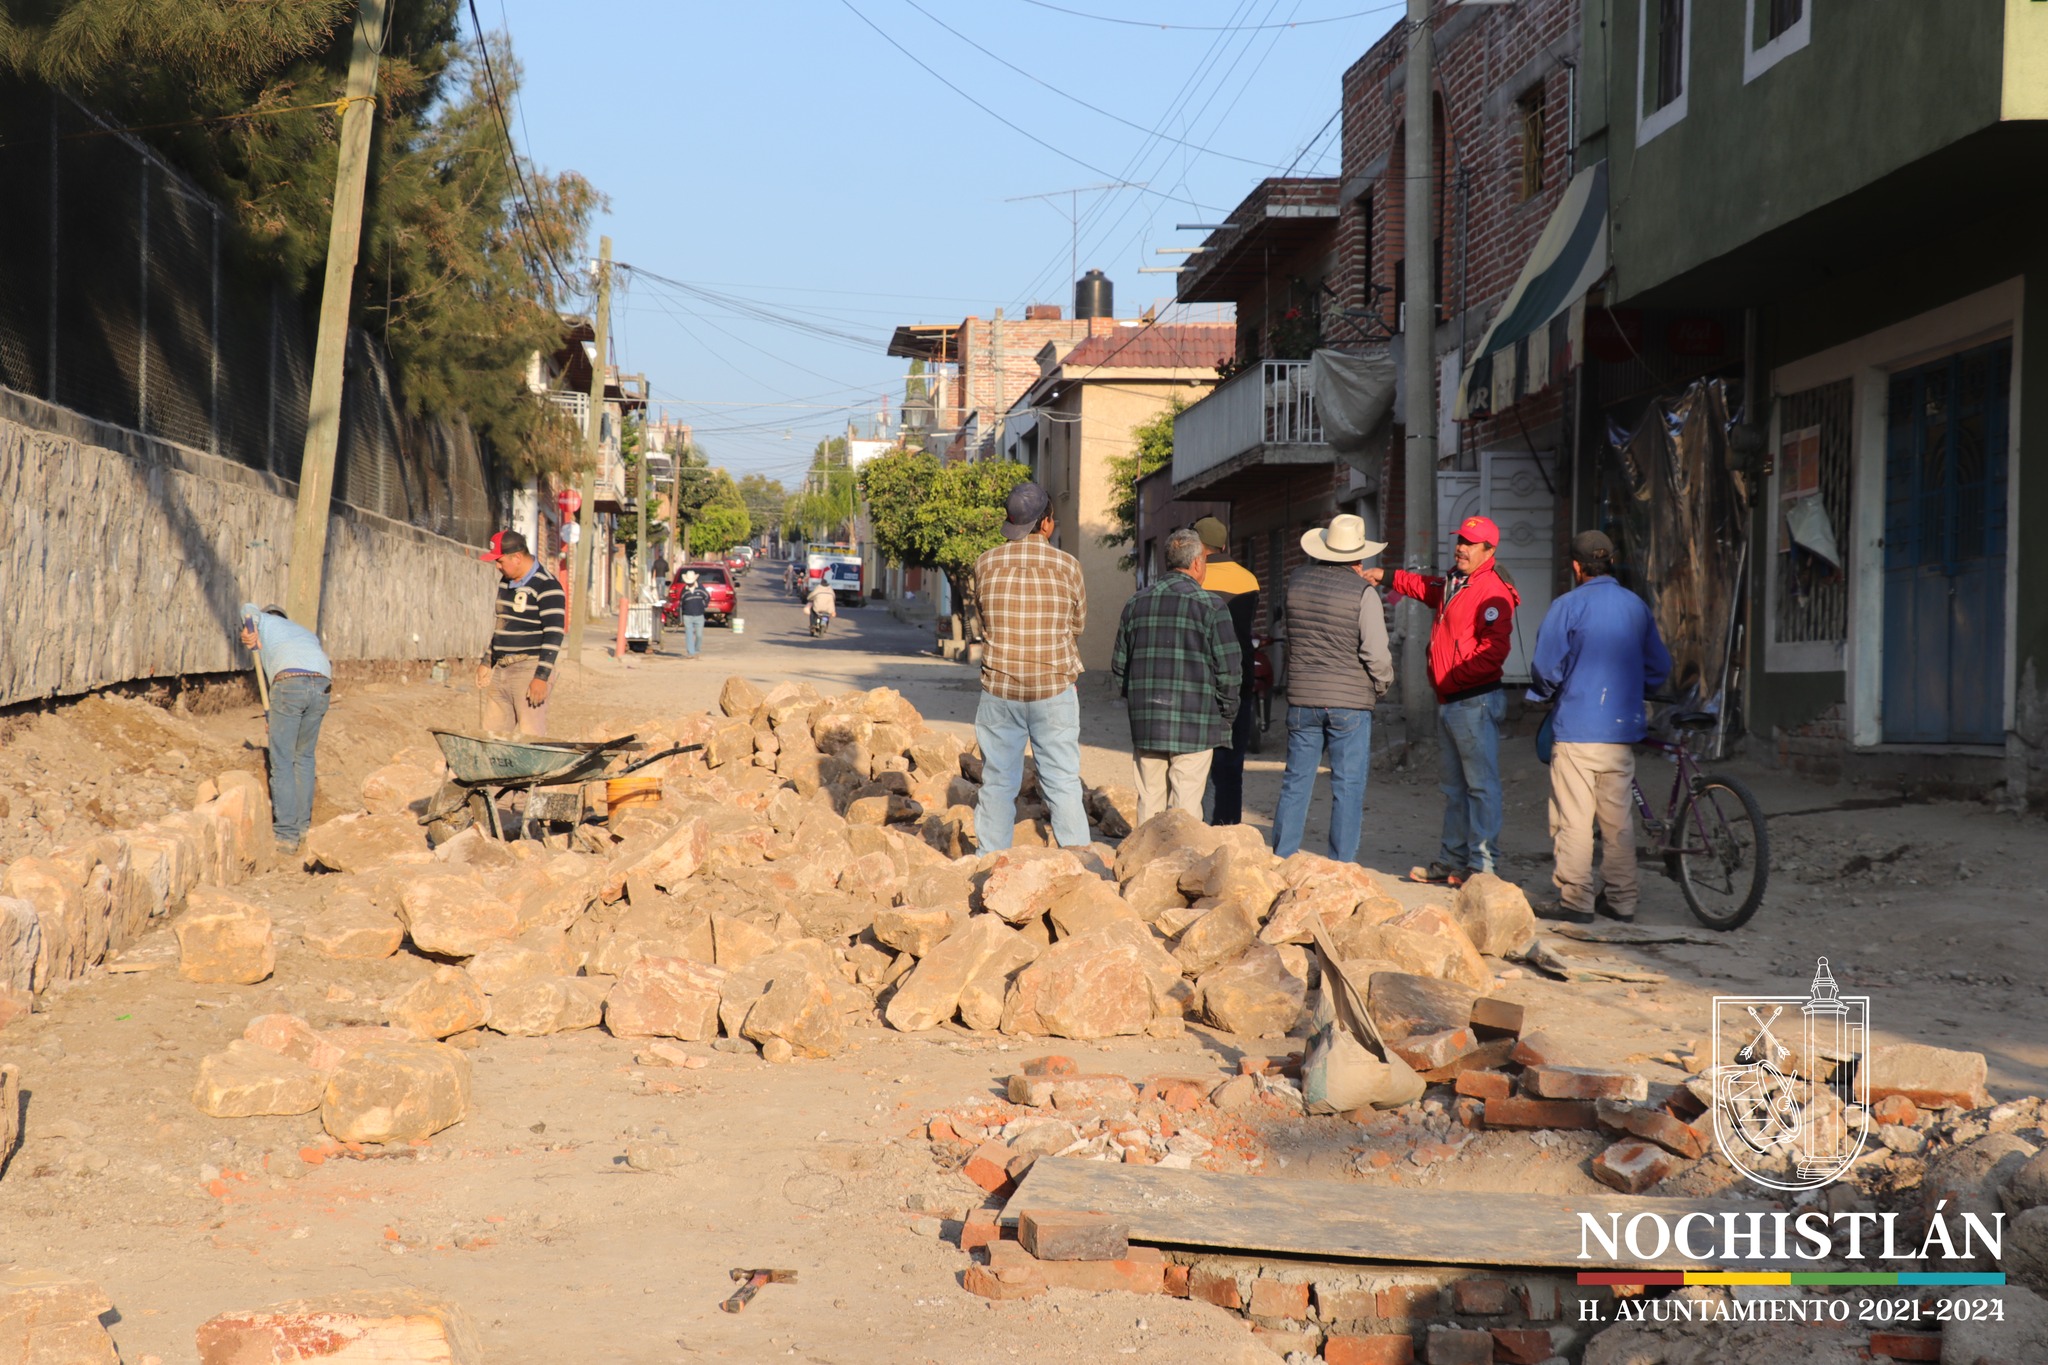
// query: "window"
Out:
[1529,111]
[1663,64]
[1777,29]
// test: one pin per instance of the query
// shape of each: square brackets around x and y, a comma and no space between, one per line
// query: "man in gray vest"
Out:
[1338,667]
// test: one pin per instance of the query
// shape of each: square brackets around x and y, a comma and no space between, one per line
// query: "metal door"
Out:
[1944,549]
[1516,493]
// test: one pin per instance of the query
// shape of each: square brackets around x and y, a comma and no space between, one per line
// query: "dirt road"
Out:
[528,1214]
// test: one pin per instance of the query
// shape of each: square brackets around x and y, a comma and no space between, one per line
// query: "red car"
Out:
[716,581]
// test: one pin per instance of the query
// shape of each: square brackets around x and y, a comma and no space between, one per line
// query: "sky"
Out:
[788,185]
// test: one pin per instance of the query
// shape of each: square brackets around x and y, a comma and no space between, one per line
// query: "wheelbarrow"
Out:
[483,770]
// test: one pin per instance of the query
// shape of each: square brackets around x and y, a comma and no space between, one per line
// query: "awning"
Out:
[1513,359]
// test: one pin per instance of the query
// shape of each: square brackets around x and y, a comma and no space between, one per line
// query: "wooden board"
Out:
[1336,1220]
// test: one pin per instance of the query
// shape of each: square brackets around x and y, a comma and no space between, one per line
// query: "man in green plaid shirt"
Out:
[1178,668]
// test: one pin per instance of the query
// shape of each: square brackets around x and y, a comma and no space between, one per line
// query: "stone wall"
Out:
[125,557]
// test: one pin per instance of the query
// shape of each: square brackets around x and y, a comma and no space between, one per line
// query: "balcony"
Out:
[1263,415]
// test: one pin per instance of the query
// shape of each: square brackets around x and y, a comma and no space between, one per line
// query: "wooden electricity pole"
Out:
[344,236]
[593,442]
[1418,340]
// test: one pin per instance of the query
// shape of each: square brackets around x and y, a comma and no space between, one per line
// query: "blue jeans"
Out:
[297,706]
[1470,782]
[693,635]
[1347,736]
[1053,726]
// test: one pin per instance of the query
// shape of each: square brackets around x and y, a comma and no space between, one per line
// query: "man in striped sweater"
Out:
[524,641]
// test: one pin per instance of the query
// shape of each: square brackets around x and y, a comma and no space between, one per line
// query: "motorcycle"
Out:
[820,623]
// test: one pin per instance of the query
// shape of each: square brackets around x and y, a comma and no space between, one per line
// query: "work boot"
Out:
[1561,913]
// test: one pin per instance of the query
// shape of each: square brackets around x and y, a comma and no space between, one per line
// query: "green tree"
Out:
[939,516]
[721,522]
[454,278]
[633,455]
[1151,451]
[764,498]
[824,508]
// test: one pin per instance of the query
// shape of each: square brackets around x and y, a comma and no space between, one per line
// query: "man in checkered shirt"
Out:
[1178,667]
[1033,609]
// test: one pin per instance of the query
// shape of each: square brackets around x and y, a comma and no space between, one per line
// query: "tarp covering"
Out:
[1513,359]
[1354,394]
[1677,514]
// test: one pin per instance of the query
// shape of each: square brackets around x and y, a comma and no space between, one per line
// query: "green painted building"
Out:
[1846,203]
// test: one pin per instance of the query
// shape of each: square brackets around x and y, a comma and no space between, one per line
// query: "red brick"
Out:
[1484,1085]
[1895,1109]
[1177,1280]
[1214,1286]
[988,1167]
[1057,1235]
[1471,1112]
[1381,1348]
[1181,1093]
[1906,1345]
[1484,1057]
[1344,1305]
[980,1229]
[1004,1282]
[1632,1166]
[1278,1299]
[1584,1083]
[941,1130]
[1653,1125]
[1254,1066]
[1052,1065]
[1485,1297]
[1407,1302]
[1517,1111]
[1458,1346]
[1431,1051]
[1541,1301]
[1522,1345]
[1536,1049]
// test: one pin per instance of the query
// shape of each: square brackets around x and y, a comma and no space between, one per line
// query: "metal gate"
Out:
[1946,438]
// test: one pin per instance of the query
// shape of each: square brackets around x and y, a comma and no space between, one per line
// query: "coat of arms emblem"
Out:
[1791,1082]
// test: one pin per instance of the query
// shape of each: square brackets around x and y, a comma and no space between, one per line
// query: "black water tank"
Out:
[1094,296]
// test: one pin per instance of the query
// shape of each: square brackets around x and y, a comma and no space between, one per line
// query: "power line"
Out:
[525,193]
[1210,28]
[1093,108]
[1013,127]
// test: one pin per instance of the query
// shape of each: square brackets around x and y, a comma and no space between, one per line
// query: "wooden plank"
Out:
[1335,1220]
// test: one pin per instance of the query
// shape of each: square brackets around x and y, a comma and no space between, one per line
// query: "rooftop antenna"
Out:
[1073,214]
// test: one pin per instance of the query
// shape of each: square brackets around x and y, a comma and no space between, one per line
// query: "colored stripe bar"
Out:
[1882,1279]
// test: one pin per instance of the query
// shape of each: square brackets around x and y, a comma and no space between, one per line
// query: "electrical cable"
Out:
[1210,28]
[1007,123]
[1093,108]
[525,193]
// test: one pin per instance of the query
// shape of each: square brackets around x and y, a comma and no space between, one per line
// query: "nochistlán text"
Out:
[1779,1235]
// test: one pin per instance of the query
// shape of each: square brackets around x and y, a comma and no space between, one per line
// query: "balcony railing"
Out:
[1270,403]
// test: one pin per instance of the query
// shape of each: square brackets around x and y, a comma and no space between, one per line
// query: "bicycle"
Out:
[1715,842]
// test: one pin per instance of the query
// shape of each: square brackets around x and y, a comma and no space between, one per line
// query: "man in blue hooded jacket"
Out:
[1597,656]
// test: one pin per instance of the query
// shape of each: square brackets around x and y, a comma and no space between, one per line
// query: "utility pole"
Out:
[1418,336]
[593,446]
[344,239]
[638,579]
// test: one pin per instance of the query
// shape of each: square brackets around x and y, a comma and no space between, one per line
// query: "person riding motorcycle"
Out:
[822,605]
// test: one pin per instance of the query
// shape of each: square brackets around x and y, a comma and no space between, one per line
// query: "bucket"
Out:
[624,793]
[739,625]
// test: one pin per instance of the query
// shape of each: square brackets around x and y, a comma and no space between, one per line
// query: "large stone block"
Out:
[440,1004]
[399,789]
[62,937]
[247,1080]
[931,993]
[1254,996]
[1022,883]
[460,915]
[21,943]
[224,938]
[360,843]
[1111,982]
[558,1004]
[1222,933]
[665,997]
[50,1318]
[1494,914]
[396,1092]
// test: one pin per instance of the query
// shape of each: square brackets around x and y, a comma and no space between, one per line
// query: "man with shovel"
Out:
[296,677]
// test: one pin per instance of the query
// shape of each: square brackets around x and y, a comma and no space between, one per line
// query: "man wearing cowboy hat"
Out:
[691,606]
[1468,646]
[1338,667]
[1238,590]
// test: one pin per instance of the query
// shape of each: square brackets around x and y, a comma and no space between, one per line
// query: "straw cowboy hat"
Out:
[1343,543]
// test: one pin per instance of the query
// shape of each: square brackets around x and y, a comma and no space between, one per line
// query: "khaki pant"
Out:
[1171,780]
[506,708]
[1590,782]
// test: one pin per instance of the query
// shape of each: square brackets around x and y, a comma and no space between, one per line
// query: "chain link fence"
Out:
[120,299]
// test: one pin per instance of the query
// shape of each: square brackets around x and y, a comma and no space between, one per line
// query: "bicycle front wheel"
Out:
[1723,851]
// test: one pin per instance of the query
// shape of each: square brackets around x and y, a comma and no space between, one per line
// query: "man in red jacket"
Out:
[1468,644]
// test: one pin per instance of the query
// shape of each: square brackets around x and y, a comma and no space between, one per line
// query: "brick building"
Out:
[978,367]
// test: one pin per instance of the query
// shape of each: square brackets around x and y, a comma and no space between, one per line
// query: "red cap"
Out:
[505,543]
[1479,530]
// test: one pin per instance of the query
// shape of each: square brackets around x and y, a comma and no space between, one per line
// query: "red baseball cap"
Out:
[505,543]
[1479,530]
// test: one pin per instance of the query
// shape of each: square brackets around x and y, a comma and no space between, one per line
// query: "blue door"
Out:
[1944,550]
